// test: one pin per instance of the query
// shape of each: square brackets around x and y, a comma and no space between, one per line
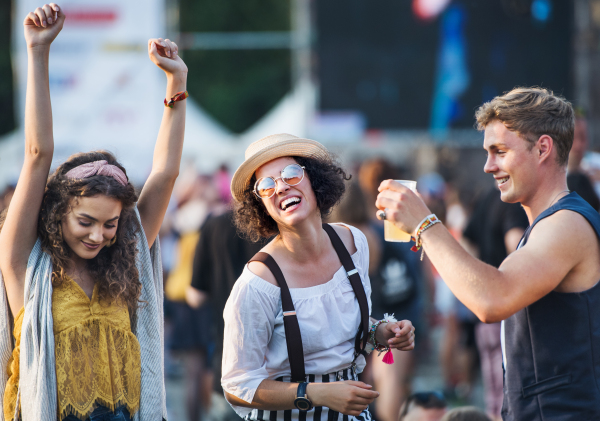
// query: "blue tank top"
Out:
[552,347]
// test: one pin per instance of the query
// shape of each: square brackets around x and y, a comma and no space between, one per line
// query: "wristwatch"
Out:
[302,402]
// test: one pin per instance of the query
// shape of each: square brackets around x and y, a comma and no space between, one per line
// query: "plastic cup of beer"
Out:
[391,232]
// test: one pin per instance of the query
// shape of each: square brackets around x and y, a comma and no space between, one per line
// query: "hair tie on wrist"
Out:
[179,96]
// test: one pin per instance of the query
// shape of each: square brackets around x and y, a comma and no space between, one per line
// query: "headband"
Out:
[98,168]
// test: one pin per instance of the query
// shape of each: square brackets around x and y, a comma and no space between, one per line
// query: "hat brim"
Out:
[294,147]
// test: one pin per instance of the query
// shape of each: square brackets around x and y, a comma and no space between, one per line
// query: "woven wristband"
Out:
[179,96]
[425,224]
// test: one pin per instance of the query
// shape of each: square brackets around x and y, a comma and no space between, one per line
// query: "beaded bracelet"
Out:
[425,224]
[373,344]
[179,96]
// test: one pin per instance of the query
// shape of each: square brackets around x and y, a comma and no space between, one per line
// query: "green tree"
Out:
[237,87]
[7,108]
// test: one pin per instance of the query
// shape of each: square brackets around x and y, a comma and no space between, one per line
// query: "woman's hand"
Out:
[399,335]
[43,25]
[165,54]
[348,397]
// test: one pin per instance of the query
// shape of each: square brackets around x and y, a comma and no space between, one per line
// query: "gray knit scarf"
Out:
[37,382]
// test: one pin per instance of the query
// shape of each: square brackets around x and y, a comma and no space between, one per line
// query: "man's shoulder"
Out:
[568,241]
[572,226]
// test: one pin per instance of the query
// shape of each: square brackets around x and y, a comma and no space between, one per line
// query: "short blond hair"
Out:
[531,113]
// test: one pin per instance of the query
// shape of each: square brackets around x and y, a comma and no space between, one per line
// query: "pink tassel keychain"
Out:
[388,358]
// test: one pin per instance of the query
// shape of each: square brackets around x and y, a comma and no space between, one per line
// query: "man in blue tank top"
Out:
[547,292]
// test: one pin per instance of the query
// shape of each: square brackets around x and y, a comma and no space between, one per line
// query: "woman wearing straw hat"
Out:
[297,321]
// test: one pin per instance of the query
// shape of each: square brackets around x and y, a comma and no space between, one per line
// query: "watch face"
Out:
[302,404]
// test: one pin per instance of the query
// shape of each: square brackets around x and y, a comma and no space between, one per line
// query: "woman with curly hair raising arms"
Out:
[79,261]
[297,321]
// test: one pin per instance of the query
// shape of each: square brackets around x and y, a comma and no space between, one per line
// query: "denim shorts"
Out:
[102,413]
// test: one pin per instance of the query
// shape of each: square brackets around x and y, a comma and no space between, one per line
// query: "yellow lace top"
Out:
[97,355]
[12,386]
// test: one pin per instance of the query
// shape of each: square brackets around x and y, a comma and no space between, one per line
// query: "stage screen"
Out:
[429,64]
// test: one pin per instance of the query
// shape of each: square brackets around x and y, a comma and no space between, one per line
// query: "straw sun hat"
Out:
[270,148]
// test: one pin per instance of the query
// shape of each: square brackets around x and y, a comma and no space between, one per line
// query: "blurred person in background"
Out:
[294,352]
[457,352]
[492,233]
[546,293]
[222,179]
[396,277]
[465,413]
[189,338]
[370,174]
[423,406]
[577,179]
[78,253]
[219,260]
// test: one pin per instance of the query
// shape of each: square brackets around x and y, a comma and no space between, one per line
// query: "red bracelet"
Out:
[179,96]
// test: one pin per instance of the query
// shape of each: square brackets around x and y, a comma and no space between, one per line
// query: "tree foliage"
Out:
[7,107]
[237,87]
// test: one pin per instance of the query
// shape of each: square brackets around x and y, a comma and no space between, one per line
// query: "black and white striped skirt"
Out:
[318,413]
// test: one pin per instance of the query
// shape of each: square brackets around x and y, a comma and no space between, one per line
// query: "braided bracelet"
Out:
[373,344]
[425,224]
[179,96]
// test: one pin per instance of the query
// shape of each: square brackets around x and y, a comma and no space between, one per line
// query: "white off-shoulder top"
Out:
[254,347]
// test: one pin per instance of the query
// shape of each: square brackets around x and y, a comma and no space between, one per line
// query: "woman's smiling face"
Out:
[91,224]
[290,204]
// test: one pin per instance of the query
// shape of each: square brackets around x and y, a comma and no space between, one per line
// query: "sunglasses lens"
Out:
[265,187]
[292,174]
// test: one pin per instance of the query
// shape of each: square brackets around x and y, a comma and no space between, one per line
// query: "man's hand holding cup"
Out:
[402,207]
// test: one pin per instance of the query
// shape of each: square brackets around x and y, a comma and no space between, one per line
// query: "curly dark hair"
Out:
[114,268]
[326,179]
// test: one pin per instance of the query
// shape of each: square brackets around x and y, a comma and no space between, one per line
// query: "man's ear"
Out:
[544,147]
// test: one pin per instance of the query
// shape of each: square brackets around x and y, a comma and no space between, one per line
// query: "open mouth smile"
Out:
[290,204]
[502,180]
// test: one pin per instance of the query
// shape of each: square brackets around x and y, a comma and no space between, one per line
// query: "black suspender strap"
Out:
[293,338]
[357,286]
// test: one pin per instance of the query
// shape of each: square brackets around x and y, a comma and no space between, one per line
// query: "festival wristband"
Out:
[425,224]
[179,96]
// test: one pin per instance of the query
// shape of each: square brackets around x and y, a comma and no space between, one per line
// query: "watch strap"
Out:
[302,402]
[301,392]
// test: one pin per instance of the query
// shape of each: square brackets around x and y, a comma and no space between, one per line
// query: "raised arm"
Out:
[156,193]
[551,259]
[19,231]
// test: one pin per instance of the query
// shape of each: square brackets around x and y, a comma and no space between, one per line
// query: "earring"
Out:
[112,241]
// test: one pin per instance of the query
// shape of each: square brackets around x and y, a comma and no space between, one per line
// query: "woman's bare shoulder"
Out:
[346,235]
[262,271]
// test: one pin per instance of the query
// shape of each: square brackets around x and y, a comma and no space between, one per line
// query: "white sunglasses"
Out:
[292,175]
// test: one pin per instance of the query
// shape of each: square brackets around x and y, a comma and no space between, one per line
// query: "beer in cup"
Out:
[392,233]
